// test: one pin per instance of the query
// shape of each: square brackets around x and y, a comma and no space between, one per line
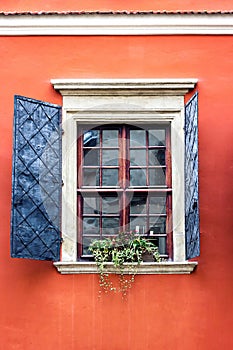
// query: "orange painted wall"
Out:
[115,5]
[39,308]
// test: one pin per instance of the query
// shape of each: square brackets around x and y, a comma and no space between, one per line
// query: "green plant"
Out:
[125,250]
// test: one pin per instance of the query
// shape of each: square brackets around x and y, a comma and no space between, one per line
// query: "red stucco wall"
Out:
[115,5]
[39,308]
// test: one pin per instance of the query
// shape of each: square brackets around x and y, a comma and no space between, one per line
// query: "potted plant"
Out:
[125,251]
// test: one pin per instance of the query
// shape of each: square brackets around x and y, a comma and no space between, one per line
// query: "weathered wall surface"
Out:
[40,309]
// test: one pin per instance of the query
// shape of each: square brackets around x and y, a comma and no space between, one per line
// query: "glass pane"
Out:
[157,177]
[138,205]
[137,177]
[138,157]
[110,205]
[91,177]
[86,244]
[91,226]
[110,157]
[157,205]
[109,177]
[157,225]
[91,205]
[160,242]
[138,224]
[110,138]
[157,138]
[162,245]
[110,226]
[157,157]
[137,138]
[91,138]
[91,157]
[154,240]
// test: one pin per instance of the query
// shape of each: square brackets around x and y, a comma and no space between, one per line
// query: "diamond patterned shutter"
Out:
[191,179]
[36,188]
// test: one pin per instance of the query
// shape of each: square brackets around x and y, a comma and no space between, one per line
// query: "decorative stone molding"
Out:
[128,87]
[142,269]
[122,101]
[117,24]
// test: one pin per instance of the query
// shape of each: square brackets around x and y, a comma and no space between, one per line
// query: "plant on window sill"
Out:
[126,249]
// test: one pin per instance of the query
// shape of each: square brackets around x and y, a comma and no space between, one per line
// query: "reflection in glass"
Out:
[91,157]
[157,177]
[110,138]
[157,137]
[162,245]
[110,157]
[157,205]
[91,205]
[137,138]
[91,138]
[138,205]
[157,157]
[91,177]
[109,177]
[86,244]
[138,224]
[110,226]
[137,177]
[138,157]
[155,240]
[157,224]
[160,242]
[110,205]
[91,226]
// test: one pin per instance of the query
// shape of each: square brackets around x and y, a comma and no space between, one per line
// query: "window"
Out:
[123,147]
[124,183]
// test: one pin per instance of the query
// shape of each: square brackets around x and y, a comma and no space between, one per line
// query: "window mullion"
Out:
[168,158]
[100,183]
[147,158]
[169,196]
[79,197]
[80,158]
[80,226]
[123,173]
[101,157]
[147,182]
[101,217]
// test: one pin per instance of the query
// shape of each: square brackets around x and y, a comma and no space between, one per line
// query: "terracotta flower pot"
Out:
[148,257]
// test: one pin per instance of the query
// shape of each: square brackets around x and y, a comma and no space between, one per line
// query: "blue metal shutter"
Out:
[191,179]
[36,187]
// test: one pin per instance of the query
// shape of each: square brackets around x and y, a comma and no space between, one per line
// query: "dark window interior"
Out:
[124,183]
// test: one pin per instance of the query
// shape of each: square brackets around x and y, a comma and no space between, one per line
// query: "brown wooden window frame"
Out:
[122,189]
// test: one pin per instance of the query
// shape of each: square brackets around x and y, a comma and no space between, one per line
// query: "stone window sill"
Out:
[149,268]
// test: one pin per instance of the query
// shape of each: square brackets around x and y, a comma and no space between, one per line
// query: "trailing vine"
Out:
[125,251]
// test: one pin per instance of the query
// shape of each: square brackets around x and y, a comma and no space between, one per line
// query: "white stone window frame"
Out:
[99,101]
